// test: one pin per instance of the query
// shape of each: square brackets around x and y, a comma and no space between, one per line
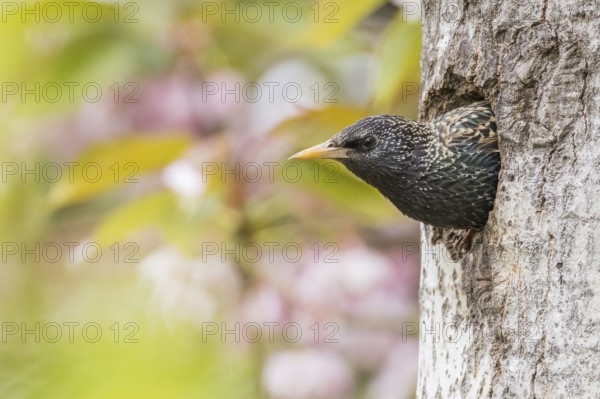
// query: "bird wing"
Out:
[468,134]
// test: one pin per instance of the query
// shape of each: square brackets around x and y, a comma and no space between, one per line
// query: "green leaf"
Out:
[151,210]
[108,165]
[330,20]
[336,184]
[397,72]
[319,124]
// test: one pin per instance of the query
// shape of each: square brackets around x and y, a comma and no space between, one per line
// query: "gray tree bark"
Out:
[519,315]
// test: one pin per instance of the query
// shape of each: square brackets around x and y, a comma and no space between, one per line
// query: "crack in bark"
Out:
[582,103]
[473,69]
[544,7]
[544,311]
[543,185]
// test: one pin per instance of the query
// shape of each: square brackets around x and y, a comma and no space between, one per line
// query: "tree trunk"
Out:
[519,315]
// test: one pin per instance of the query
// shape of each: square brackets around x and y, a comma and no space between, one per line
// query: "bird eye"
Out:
[369,142]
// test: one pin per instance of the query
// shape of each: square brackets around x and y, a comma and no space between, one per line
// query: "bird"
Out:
[442,172]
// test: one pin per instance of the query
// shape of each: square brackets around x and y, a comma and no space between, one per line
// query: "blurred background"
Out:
[155,240]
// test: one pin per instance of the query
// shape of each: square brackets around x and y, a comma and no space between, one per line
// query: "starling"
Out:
[443,173]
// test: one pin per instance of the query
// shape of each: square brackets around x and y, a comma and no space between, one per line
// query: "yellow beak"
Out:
[324,150]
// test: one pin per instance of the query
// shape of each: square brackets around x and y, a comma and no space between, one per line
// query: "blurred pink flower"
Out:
[163,104]
[307,374]
[188,289]
[217,99]
[366,348]
[398,376]
[264,304]
[309,93]
[341,286]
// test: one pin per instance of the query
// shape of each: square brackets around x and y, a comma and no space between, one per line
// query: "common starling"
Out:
[443,173]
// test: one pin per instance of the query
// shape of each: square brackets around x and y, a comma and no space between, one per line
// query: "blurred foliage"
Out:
[124,158]
[154,188]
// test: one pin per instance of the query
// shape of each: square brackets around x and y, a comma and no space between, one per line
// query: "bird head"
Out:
[372,147]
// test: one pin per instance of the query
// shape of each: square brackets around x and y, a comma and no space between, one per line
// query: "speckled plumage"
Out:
[443,173]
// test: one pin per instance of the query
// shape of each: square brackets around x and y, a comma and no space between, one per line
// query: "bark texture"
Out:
[519,315]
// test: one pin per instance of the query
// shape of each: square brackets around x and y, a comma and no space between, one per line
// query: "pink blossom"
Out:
[307,374]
